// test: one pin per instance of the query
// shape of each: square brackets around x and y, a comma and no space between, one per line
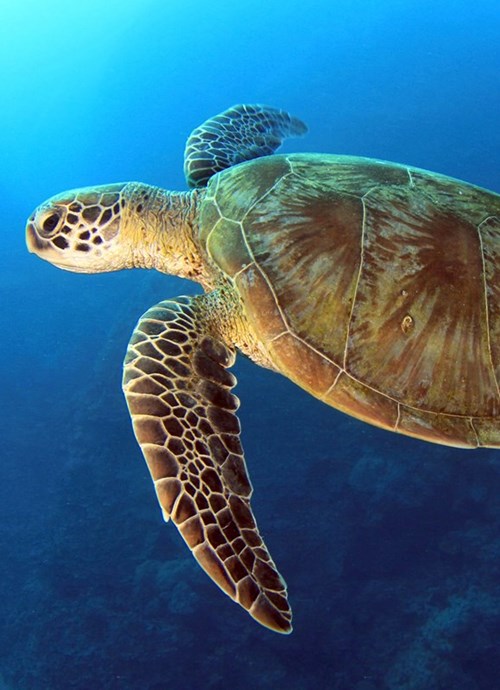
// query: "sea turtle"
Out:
[373,286]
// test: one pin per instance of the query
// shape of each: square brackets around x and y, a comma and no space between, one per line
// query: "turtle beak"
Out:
[42,248]
[33,242]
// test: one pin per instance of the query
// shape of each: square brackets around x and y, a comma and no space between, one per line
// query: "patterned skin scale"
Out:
[371,285]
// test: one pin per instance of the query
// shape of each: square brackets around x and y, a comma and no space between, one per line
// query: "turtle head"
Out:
[125,225]
[79,230]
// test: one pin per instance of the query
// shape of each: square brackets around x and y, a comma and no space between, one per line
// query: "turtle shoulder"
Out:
[372,285]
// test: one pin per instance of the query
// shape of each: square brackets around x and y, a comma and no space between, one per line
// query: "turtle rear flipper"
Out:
[178,391]
[239,134]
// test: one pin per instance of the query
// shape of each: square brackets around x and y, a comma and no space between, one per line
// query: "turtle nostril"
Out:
[50,223]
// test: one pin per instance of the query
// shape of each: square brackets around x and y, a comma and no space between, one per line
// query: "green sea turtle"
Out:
[373,286]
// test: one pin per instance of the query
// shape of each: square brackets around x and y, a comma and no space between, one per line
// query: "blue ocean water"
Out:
[390,546]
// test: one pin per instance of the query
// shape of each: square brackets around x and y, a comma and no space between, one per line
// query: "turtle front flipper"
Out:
[178,391]
[238,134]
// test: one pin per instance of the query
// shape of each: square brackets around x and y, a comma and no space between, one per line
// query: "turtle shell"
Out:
[374,286]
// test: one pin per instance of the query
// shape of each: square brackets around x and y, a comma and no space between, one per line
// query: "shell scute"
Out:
[309,368]
[266,320]
[227,247]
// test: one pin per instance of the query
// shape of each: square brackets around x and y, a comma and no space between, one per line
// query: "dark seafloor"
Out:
[390,546]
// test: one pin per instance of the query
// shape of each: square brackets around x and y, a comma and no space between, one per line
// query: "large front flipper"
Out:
[178,391]
[238,134]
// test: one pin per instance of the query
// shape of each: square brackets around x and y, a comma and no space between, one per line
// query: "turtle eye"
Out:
[49,222]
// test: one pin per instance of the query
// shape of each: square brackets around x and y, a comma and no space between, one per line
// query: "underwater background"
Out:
[390,546]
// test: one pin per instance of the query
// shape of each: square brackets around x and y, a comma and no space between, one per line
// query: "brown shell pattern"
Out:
[376,287]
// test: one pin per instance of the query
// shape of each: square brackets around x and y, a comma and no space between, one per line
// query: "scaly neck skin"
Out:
[161,229]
